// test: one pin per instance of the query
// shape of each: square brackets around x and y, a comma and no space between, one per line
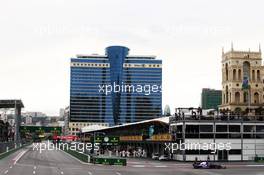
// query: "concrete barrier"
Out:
[5,146]
[11,149]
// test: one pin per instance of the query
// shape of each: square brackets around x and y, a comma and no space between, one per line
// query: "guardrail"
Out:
[96,160]
[109,161]
[218,118]
[5,146]
[10,151]
[259,159]
[81,156]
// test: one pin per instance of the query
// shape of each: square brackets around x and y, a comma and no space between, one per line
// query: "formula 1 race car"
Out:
[207,165]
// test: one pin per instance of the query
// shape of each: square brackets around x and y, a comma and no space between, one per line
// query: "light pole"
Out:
[249,98]
[94,135]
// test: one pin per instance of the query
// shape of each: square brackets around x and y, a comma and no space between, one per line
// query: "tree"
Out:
[238,110]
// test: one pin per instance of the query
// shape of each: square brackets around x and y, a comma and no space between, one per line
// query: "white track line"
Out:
[161,166]
[19,156]
[255,165]
[138,166]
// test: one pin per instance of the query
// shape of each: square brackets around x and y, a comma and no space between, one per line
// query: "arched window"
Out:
[226,71]
[256,98]
[226,94]
[253,75]
[237,97]
[258,75]
[239,74]
[234,74]
[245,97]
[246,70]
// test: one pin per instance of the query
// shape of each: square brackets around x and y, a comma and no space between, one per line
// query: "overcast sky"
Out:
[38,38]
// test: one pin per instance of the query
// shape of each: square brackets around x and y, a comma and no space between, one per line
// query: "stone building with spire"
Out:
[242,80]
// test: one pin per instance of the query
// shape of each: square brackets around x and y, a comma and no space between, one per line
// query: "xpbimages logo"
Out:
[147,89]
[213,147]
[74,146]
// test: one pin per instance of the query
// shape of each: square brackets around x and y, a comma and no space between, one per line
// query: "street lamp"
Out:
[94,135]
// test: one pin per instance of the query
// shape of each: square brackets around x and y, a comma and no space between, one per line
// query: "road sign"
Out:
[45,129]
[110,161]
[107,140]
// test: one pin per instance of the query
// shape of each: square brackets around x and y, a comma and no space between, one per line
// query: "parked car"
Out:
[164,157]
[155,156]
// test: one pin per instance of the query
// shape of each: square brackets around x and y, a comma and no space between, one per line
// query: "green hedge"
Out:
[80,156]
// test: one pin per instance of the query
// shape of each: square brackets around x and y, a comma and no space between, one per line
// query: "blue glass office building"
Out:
[115,88]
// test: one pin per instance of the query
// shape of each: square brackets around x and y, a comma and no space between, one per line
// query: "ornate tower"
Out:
[242,80]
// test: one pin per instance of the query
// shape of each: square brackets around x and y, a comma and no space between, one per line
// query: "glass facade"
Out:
[211,98]
[115,88]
